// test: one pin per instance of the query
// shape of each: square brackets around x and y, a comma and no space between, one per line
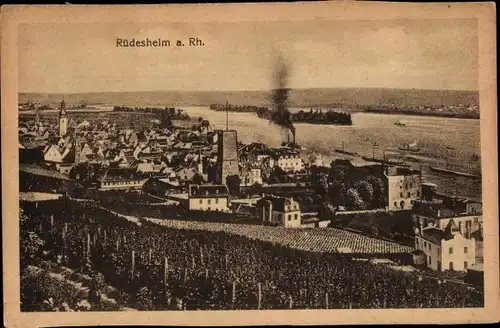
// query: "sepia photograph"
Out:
[248,163]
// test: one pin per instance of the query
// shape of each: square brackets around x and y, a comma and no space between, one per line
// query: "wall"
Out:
[290,163]
[458,257]
[122,184]
[215,204]
[292,219]
[432,252]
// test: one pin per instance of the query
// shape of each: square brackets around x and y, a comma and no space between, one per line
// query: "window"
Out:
[451,266]
[296,217]
[476,220]
[425,244]
[465,250]
[411,184]
[406,186]
[466,265]
[395,204]
[409,195]
[400,195]
[430,246]
[217,201]
[289,217]
[209,201]
[201,201]
[430,260]
[208,208]
[418,193]
[450,251]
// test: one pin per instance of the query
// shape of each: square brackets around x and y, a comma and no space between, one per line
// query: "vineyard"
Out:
[314,240]
[155,267]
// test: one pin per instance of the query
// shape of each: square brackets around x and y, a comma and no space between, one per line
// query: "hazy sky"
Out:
[427,54]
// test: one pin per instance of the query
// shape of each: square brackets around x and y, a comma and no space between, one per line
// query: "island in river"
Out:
[311,116]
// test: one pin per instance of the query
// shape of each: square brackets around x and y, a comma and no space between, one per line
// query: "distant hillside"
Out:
[297,98]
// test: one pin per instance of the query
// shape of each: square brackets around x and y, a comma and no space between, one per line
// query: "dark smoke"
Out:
[280,114]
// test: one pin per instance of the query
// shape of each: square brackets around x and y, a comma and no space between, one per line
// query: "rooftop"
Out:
[202,191]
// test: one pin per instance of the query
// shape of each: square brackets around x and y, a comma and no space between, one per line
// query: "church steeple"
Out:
[63,120]
[62,108]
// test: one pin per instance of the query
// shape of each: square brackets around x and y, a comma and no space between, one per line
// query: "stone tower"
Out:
[63,119]
[227,155]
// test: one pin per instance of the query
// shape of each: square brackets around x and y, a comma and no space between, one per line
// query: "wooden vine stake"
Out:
[201,255]
[234,292]
[88,245]
[290,299]
[150,254]
[260,296]
[52,221]
[226,261]
[165,272]
[133,263]
[185,274]
[326,301]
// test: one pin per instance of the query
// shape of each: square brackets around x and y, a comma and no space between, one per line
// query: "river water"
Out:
[444,142]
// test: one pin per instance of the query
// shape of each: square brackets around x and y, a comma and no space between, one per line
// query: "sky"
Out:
[421,54]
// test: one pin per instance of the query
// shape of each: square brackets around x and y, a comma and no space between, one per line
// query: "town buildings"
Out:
[437,210]
[403,187]
[208,198]
[282,211]
[445,249]
[288,161]
[448,228]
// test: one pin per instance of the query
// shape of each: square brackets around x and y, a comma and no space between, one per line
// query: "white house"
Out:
[445,249]
[288,162]
[52,154]
[208,198]
[280,211]
[404,186]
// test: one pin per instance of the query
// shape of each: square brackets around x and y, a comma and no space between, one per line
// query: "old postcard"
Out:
[244,164]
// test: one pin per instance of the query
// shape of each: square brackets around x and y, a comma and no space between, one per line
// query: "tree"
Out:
[144,299]
[379,191]
[337,193]
[255,189]
[365,190]
[354,200]
[83,173]
[277,175]
[322,187]
[233,184]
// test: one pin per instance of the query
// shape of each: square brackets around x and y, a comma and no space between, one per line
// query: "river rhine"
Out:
[444,142]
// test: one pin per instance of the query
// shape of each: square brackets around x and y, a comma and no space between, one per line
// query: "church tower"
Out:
[63,119]
[227,155]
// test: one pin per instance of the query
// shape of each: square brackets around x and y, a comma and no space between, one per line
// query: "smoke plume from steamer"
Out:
[280,114]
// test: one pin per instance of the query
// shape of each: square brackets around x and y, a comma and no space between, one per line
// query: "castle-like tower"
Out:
[63,119]
[227,155]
